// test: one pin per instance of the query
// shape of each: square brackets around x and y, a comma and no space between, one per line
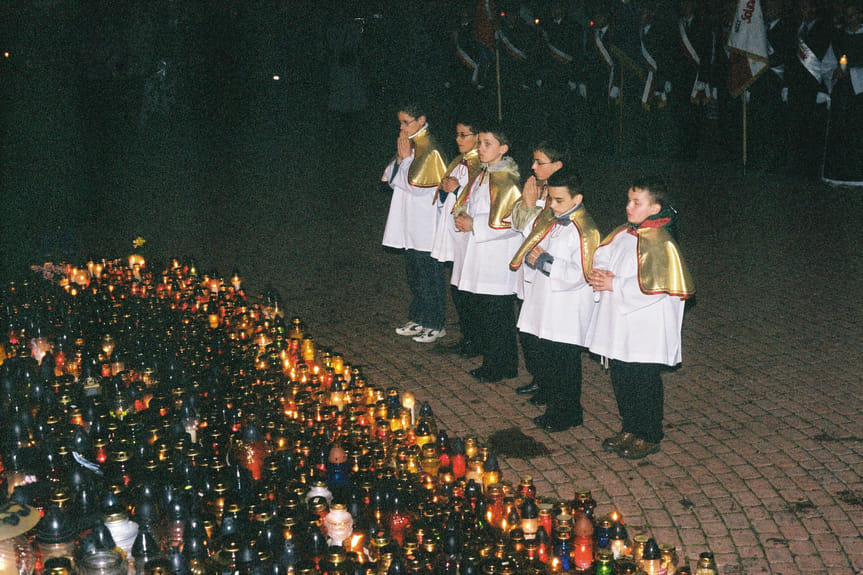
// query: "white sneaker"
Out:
[410,328]
[429,335]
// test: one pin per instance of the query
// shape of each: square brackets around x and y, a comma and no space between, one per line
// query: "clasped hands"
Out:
[601,280]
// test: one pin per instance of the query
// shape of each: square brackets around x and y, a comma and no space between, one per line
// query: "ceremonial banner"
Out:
[747,43]
[485,23]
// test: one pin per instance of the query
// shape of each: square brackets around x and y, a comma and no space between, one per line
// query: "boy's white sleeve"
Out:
[567,274]
[482,232]
[630,298]
[401,179]
[388,173]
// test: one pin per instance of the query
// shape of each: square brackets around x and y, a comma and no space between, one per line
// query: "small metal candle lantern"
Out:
[651,558]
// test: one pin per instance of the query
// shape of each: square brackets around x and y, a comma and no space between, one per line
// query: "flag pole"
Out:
[744,98]
[620,116]
[499,100]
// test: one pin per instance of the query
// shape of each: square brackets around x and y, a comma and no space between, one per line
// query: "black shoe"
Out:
[638,449]
[488,376]
[618,442]
[538,399]
[528,389]
[555,424]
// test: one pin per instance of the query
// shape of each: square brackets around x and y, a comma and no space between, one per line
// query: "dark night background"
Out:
[98,149]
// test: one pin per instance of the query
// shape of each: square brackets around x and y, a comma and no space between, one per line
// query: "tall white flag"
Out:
[747,43]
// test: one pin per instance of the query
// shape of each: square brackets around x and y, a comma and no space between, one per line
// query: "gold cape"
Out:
[660,267]
[428,167]
[471,158]
[504,191]
[542,225]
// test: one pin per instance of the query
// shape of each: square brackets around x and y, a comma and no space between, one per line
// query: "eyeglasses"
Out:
[407,122]
[468,135]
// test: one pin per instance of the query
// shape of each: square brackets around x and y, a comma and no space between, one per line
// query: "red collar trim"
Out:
[646,224]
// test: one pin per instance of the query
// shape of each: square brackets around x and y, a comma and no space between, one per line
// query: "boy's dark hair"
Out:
[555,150]
[495,129]
[568,178]
[468,120]
[412,109]
[656,189]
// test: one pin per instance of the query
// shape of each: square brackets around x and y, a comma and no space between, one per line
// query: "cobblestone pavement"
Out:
[763,455]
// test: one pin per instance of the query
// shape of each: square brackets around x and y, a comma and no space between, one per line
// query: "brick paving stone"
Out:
[778,554]
[752,562]
[747,472]
[720,545]
[664,534]
[762,488]
[827,543]
[706,514]
[714,529]
[736,520]
[816,525]
[785,568]
[802,548]
[837,563]
[693,538]
[746,498]
[765,526]
[810,563]
[776,505]
[744,538]
[792,529]
[658,518]
[852,545]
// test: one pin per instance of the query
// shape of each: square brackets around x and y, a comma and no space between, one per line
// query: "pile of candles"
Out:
[161,422]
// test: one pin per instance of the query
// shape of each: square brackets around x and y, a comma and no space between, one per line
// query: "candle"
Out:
[843,62]
[409,403]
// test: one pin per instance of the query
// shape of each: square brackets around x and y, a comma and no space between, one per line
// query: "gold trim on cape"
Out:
[587,231]
[471,159]
[504,191]
[428,167]
[660,267]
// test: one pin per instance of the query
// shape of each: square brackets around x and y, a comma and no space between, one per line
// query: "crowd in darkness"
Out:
[642,77]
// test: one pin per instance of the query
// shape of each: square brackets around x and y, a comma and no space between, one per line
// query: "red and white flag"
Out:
[747,44]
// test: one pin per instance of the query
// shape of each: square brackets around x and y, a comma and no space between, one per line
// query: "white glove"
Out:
[667,87]
[582,91]
[538,83]
[614,93]
[822,98]
[784,94]
[572,86]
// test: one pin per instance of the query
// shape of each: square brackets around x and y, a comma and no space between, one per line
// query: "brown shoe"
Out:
[615,443]
[638,448]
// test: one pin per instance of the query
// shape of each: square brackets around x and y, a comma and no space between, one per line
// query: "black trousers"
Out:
[559,376]
[529,349]
[639,394]
[428,287]
[493,317]
[466,322]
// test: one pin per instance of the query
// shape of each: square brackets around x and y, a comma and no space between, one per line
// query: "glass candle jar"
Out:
[108,562]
